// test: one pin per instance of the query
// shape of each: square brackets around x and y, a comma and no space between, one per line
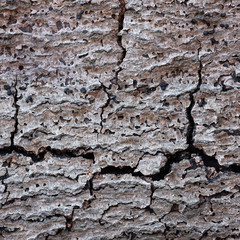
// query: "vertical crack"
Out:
[120,28]
[123,54]
[15,96]
[149,208]
[69,219]
[104,106]
[91,186]
[119,40]
[191,126]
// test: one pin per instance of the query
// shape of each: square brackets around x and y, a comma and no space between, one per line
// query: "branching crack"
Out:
[123,54]
[149,208]
[108,209]
[69,219]
[209,161]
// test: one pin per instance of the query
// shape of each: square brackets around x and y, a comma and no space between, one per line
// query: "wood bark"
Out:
[119,119]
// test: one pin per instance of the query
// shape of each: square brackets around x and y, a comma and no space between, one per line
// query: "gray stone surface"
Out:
[119,119]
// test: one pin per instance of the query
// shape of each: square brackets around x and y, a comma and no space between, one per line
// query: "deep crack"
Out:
[91,186]
[209,161]
[15,96]
[119,40]
[191,126]
[38,157]
[69,219]
[120,28]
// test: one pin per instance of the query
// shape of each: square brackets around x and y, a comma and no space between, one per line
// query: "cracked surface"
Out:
[119,119]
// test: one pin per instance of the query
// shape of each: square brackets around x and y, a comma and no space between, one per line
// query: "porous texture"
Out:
[119,119]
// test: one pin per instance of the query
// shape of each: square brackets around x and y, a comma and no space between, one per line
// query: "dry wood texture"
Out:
[119,119]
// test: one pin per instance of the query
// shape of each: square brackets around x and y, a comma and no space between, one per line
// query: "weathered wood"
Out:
[119,119]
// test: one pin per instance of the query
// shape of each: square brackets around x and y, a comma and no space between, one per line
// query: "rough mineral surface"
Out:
[119,119]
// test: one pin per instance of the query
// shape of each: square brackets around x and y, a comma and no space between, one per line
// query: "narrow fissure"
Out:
[15,96]
[123,54]
[119,40]
[91,186]
[191,126]
[120,28]
[209,161]
[69,221]
[149,208]
[104,106]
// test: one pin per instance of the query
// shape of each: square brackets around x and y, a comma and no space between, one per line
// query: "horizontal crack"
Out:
[209,161]
[78,152]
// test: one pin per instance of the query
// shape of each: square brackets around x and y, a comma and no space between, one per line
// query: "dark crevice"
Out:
[104,106]
[123,54]
[166,230]
[117,170]
[204,235]
[71,153]
[89,156]
[69,223]
[184,2]
[6,230]
[20,150]
[121,171]
[171,158]
[234,168]
[149,208]
[6,175]
[191,126]
[69,220]
[120,28]
[209,161]
[155,177]
[16,106]
[38,157]
[91,186]
[119,40]
[220,194]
